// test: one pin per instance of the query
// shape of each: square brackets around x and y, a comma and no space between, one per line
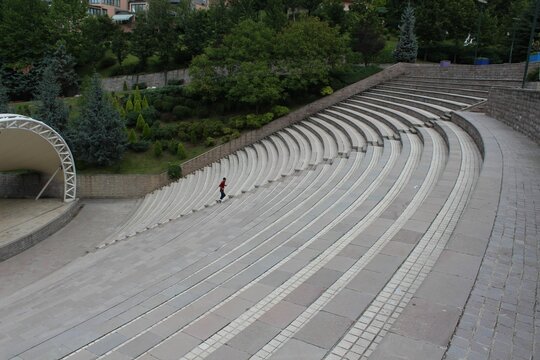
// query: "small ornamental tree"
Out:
[132,137]
[137,106]
[145,103]
[51,110]
[129,106]
[4,108]
[158,148]
[140,123]
[181,151]
[407,46]
[146,132]
[99,134]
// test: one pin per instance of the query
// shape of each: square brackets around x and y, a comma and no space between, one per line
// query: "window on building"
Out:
[96,11]
[135,7]
[111,2]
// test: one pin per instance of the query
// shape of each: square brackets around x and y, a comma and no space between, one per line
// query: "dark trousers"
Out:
[222,194]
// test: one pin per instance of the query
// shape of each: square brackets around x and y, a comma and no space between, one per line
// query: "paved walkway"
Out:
[502,317]
[380,267]
[96,219]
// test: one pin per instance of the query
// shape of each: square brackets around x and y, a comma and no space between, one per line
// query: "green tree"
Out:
[367,39]
[407,48]
[254,84]
[51,110]
[97,32]
[140,123]
[332,11]
[161,20]
[64,22]
[119,45]
[19,46]
[275,14]
[98,135]
[306,51]
[64,68]
[4,99]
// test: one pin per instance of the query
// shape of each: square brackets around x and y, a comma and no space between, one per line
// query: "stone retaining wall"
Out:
[29,240]
[118,186]
[251,137]
[116,83]
[512,72]
[518,108]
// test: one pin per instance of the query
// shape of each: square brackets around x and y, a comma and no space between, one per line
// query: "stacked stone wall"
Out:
[511,72]
[119,186]
[518,108]
[116,83]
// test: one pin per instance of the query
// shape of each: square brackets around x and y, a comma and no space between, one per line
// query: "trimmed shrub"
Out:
[140,146]
[150,114]
[327,90]
[174,171]
[253,122]
[158,149]
[210,141]
[172,146]
[145,103]
[182,112]
[166,132]
[181,151]
[266,118]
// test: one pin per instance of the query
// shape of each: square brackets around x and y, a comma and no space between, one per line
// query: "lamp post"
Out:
[482,3]
[515,20]
[533,29]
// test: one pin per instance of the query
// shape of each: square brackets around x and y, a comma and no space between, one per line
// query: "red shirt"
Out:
[222,185]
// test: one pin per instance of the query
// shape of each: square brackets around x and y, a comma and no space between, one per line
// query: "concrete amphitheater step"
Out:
[476,82]
[454,95]
[457,88]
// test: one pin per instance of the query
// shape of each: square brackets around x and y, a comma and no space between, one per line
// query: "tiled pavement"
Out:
[373,255]
[502,319]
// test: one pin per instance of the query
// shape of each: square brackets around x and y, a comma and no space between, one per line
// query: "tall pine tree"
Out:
[51,110]
[407,46]
[98,136]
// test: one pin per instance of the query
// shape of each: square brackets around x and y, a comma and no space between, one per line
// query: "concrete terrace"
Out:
[395,224]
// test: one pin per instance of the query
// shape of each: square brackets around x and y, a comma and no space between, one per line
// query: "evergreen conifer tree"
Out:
[145,103]
[181,151]
[132,137]
[99,135]
[137,107]
[140,123]
[129,106]
[64,64]
[4,99]
[146,132]
[407,46]
[51,110]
